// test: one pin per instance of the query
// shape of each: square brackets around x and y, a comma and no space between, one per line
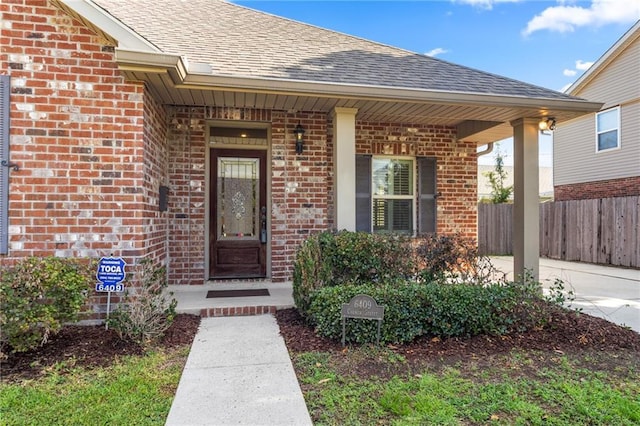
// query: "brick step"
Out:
[237,311]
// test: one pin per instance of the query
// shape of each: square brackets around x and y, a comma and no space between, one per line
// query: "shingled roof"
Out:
[239,42]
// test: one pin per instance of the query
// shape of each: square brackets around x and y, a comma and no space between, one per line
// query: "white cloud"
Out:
[484,4]
[565,18]
[582,65]
[436,51]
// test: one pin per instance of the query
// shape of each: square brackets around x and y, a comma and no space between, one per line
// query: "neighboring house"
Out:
[598,155]
[545,182]
[170,132]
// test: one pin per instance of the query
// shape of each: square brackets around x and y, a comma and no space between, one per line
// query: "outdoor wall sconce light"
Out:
[299,132]
[547,124]
[10,164]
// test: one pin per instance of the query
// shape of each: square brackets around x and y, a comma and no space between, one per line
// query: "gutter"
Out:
[179,69]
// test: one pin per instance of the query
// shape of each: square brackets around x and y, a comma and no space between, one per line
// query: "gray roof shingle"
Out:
[237,41]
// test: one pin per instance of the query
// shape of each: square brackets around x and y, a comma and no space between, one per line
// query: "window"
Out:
[393,195]
[608,129]
[389,198]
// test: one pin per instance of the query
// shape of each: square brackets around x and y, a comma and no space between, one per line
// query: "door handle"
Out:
[263,225]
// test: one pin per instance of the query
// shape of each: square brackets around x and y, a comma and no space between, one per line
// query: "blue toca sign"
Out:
[110,274]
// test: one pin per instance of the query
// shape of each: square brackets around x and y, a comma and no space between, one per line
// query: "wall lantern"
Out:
[299,132]
[547,124]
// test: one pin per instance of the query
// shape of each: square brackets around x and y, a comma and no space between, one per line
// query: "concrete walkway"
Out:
[602,291]
[238,373]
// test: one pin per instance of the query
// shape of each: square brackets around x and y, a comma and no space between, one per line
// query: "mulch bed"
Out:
[608,346]
[89,346]
[566,332]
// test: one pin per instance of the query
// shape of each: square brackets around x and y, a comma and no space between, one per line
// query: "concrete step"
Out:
[192,299]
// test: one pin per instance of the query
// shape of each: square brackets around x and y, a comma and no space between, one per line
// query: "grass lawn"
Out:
[134,390]
[520,387]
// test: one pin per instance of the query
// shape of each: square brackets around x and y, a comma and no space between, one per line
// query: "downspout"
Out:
[486,151]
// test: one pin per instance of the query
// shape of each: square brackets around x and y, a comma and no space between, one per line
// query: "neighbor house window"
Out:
[608,129]
[396,194]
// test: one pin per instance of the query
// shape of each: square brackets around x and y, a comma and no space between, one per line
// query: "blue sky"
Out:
[547,43]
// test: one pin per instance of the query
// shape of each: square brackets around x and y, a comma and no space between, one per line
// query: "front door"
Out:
[238,213]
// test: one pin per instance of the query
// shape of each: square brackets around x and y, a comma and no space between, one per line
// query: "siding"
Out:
[575,159]
[618,82]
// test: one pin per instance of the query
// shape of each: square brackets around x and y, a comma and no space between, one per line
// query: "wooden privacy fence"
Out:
[601,231]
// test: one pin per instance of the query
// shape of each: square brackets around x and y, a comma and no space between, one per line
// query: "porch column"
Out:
[344,167]
[526,222]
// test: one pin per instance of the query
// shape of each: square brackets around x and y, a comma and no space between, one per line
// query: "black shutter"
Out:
[363,193]
[426,195]
[4,157]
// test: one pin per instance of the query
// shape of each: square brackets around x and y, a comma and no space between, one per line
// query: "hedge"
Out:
[415,309]
[331,259]
[38,295]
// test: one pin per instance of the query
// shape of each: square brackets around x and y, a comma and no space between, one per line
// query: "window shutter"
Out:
[4,156]
[402,175]
[363,193]
[426,195]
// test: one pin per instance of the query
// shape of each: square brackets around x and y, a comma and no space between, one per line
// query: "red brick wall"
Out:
[456,166]
[625,187]
[298,192]
[78,134]
[299,187]
[94,150]
[155,174]
[186,239]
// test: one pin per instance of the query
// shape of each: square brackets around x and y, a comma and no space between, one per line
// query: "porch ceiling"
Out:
[478,119]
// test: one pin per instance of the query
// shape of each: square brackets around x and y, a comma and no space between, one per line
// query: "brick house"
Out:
[598,155]
[170,133]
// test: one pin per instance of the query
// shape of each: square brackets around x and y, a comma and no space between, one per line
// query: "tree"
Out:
[497,178]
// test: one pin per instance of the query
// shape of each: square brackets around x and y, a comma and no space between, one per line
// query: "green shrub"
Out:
[38,295]
[309,271]
[364,257]
[415,309]
[402,319]
[331,259]
[468,310]
[146,310]
[435,286]
[453,258]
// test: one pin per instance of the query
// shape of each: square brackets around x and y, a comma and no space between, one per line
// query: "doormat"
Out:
[238,293]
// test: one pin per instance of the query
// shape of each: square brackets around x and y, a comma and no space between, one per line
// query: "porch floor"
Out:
[192,299]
